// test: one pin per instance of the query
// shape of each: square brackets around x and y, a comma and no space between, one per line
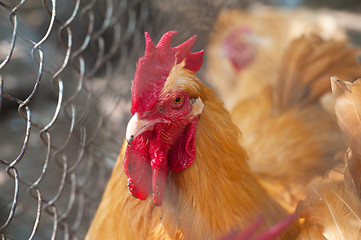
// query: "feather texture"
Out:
[333,207]
[289,137]
[278,99]
[307,66]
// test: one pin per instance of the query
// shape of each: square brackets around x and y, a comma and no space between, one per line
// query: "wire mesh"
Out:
[65,75]
[64,82]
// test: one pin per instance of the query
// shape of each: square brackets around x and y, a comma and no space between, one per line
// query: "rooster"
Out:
[181,173]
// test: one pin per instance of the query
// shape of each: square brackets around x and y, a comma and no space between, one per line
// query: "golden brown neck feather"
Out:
[217,193]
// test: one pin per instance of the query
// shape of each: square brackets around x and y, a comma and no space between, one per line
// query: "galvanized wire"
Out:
[65,75]
[77,54]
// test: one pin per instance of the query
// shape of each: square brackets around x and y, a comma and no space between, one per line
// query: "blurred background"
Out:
[65,76]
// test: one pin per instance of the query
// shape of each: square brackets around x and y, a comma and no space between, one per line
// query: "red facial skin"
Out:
[169,146]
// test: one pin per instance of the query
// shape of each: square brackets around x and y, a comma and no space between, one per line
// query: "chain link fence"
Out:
[65,76]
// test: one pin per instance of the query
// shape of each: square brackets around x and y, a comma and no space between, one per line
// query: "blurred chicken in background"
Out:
[247,47]
[273,75]
[288,135]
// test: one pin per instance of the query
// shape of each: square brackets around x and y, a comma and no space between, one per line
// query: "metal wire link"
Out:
[69,168]
[65,70]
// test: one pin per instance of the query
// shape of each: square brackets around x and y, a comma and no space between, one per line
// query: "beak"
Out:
[136,126]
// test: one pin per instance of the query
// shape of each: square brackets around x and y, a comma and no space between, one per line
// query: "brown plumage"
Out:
[332,209]
[279,96]
[288,135]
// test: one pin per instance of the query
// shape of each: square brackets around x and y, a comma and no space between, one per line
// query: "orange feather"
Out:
[333,206]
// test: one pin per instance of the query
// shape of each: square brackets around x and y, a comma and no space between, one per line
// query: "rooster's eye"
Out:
[178,100]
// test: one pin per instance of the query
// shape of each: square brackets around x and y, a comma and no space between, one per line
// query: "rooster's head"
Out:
[165,109]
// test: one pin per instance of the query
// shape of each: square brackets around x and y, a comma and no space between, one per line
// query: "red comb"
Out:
[153,69]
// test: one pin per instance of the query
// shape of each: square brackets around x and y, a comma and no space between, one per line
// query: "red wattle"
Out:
[137,168]
[158,164]
[159,179]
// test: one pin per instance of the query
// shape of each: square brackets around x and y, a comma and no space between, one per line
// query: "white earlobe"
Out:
[197,107]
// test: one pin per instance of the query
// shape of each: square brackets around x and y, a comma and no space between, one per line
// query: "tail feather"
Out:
[306,69]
